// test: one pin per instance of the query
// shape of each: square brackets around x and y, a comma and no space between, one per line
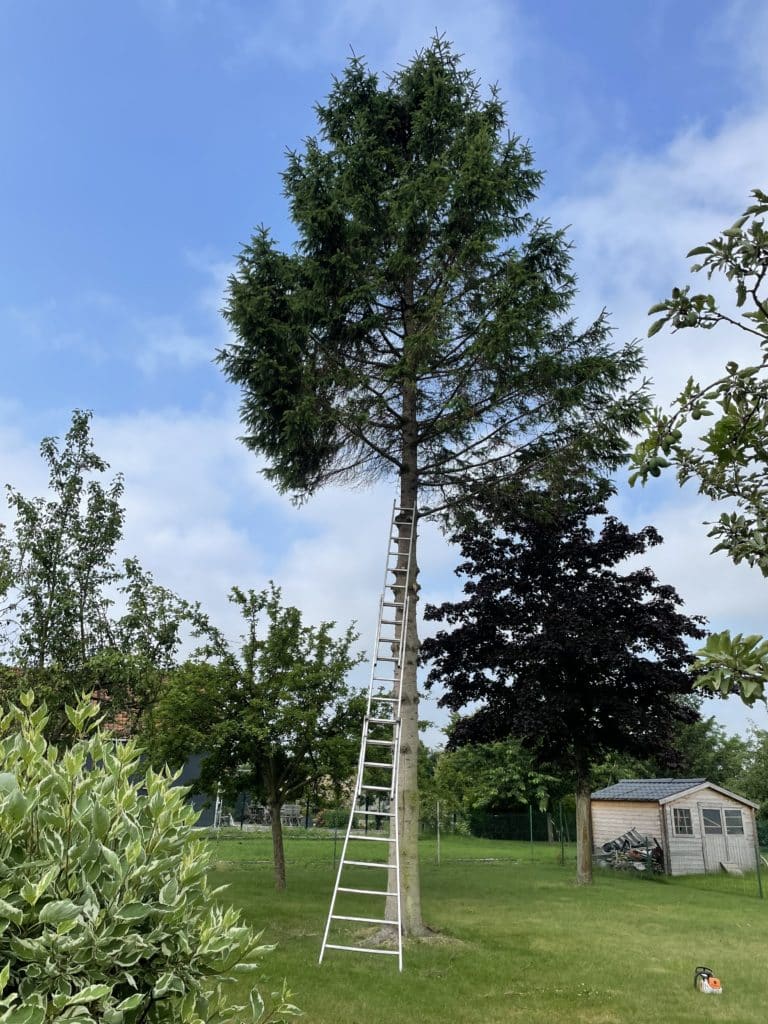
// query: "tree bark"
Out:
[408,795]
[583,831]
[278,851]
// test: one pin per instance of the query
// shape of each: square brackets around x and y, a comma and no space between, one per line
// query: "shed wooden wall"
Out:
[684,855]
[687,852]
[611,818]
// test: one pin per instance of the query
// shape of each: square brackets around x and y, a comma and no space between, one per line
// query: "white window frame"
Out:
[729,829]
[680,825]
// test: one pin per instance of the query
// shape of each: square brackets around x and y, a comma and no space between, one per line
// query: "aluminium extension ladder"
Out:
[379,761]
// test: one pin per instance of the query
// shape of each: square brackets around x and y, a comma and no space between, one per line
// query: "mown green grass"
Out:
[517,940]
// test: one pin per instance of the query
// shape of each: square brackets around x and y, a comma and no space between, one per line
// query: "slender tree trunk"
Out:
[583,830]
[408,803]
[278,851]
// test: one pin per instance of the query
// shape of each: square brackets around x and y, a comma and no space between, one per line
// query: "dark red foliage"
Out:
[560,641]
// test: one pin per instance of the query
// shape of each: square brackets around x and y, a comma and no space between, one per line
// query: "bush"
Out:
[105,910]
[332,817]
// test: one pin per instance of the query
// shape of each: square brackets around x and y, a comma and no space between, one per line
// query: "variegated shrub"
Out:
[105,910]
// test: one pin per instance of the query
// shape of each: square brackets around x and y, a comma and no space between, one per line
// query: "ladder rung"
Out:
[389,622]
[378,764]
[379,743]
[392,604]
[374,839]
[367,892]
[386,657]
[382,721]
[368,920]
[380,789]
[377,814]
[362,949]
[369,864]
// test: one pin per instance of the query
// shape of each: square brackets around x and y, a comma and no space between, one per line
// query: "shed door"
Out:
[740,848]
[713,837]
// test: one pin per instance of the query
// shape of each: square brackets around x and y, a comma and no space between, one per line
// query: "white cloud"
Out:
[301,34]
[165,342]
[637,217]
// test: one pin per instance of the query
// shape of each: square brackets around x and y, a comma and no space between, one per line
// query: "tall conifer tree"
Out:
[420,327]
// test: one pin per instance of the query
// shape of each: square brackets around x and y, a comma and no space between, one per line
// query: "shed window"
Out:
[734,824]
[682,821]
[713,821]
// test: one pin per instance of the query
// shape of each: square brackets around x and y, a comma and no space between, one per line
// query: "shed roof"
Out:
[662,790]
[646,789]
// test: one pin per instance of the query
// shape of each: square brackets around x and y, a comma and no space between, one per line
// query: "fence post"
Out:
[438,833]
[562,837]
[530,826]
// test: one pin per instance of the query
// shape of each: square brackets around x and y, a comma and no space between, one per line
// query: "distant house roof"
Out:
[660,790]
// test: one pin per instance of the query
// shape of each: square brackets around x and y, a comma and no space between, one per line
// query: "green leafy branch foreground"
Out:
[730,459]
[106,914]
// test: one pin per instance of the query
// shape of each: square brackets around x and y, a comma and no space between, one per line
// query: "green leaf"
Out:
[656,327]
[166,983]
[169,892]
[257,1003]
[58,911]
[131,1003]
[8,783]
[10,913]
[24,1015]
[133,912]
[700,250]
[89,994]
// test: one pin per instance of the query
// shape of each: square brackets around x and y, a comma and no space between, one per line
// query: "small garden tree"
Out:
[272,719]
[106,916]
[59,583]
[560,648]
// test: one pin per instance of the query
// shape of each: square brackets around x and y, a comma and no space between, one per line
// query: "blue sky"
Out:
[144,141]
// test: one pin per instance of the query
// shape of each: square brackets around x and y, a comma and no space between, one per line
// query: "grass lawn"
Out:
[518,940]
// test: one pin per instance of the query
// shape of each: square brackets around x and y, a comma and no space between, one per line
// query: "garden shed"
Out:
[701,827]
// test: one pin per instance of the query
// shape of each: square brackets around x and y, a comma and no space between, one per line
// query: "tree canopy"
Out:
[559,644]
[73,619]
[273,718]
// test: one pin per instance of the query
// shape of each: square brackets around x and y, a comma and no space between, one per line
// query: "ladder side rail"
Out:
[396,825]
[350,822]
[375,652]
[381,609]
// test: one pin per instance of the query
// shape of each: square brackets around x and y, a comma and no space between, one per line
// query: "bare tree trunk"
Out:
[583,831]
[408,808]
[408,797]
[278,851]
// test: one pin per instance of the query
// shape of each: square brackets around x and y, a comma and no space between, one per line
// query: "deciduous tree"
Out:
[729,460]
[60,588]
[272,718]
[559,643]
